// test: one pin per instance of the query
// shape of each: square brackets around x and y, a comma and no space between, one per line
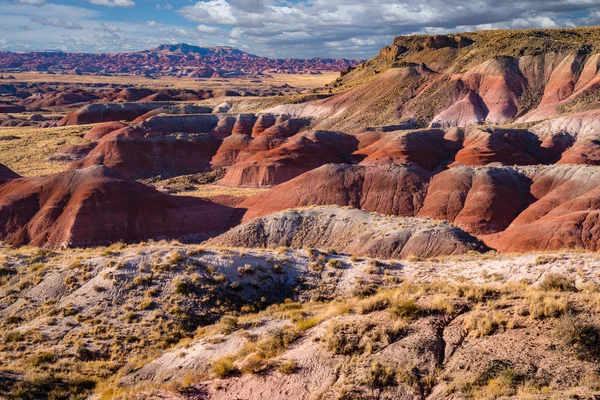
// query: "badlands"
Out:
[422,225]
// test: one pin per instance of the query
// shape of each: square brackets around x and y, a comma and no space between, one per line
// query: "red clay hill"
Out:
[96,206]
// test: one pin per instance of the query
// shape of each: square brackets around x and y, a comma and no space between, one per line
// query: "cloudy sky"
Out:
[274,28]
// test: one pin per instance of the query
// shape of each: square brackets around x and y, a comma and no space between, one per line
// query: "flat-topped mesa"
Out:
[96,206]
[351,231]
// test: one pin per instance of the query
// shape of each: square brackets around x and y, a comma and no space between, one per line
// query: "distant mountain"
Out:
[171,60]
[184,48]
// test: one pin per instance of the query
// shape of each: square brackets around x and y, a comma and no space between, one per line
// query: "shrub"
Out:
[224,367]
[304,324]
[373,304]
[69,310]
[405,307]
[483,323]
[287,367]
[315,267]
[43,357]
[246,270]
[182,286]
[543,305]
[175,258]
[277,269]
[130,317]
[344,338]
[333,263]
[229,324]
[558,282]
[583,337]
[14,336]
[195,252]
[146,304]
[253,364]
[380,376]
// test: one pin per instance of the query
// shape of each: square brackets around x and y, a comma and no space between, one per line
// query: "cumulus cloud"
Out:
[362,27]
[276,28]
[72,28]
[207,29]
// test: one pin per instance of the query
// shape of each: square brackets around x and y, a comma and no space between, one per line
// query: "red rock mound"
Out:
[161,155]
[96,206]
[484,146]
[101,130]
[426,148]
[565,214]
[73,152]
[297,155]
[95,113]
[7,174]
[242,140]
[583,152]
[386,189]
[481,200]
[57,99]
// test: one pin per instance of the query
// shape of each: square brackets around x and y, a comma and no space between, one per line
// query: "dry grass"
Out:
[297,80]
[28,155]
[216,190]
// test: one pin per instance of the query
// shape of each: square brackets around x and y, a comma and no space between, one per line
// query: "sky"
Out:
[272,28]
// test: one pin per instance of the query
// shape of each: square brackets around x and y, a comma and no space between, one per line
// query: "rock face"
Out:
[523,209]
[172,145]
[7,174]
[298,154]
[386,189]
[351,231]
[95,206]
[57,99]
[103,129]
[95,113]
[564,215]
[479,200]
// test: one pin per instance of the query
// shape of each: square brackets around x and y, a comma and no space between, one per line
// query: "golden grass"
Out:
[28,155]
[307,81]
[215,190]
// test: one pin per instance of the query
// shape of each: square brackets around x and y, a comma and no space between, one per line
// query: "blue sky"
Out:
[274,28]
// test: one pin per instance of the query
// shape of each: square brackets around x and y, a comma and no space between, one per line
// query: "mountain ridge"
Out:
[169,59]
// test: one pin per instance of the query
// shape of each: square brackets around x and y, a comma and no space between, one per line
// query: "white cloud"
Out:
[277,28]
[33,2]
[364,26]
[57,22]
[113,3]
[207,29]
